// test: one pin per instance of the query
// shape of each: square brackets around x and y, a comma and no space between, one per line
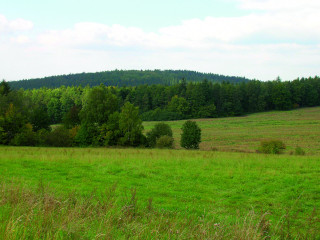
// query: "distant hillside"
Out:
[123,78]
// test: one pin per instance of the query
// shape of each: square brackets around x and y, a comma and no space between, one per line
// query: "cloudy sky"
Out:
[259,39]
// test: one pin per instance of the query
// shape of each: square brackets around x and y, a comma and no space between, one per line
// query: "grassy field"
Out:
[99,193]
[299,127]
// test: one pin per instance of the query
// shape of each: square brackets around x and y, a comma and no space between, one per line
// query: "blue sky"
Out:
[146,14]
[259,39]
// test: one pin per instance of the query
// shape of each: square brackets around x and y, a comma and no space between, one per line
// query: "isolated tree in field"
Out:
[191,135]
[160,129]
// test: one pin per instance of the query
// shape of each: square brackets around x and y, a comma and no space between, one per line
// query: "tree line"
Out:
[122,78]
[106,116]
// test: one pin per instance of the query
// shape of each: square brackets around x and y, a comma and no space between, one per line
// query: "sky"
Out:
[257,39]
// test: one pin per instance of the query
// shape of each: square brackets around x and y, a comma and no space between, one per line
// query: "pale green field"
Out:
[299,127]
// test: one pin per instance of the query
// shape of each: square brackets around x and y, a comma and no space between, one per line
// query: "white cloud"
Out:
[21,39]
[14,25]
[281,21]
[266,27]
[88,33]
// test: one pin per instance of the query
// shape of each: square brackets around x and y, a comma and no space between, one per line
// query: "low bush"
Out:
[214,149]
[165,142]
[2,135]
[59,137]
[272,147]
[26,137]
[86,135]
[42,136]
[73,132]
[299,151]
[160,129]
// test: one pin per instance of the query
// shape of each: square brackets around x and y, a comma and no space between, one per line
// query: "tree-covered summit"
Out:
[124,78]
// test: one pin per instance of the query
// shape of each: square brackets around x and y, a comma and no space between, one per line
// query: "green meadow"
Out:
[132,193]
[208,187]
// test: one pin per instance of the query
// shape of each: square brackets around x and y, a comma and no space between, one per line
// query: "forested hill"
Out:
[124,78]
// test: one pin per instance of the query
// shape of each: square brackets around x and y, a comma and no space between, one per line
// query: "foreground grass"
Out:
[41,215]
[299,127]
[139,193]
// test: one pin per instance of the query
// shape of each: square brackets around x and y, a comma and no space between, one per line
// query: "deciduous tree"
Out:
[191,135]
[130,125]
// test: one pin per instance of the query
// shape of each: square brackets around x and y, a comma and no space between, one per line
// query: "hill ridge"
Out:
[124,78]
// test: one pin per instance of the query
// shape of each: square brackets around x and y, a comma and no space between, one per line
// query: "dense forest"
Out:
[106,116]
[122,78]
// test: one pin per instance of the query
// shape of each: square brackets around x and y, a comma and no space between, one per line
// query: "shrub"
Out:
[165,142]
[73,131]
[86,135]
[59,137]
[299,151]
[42,136]
[191,135]
[143,140]
[272,147]
[214,149]
[160,129]
[2,135]
[26,137]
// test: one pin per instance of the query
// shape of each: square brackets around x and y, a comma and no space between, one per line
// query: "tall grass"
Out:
[40,214]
